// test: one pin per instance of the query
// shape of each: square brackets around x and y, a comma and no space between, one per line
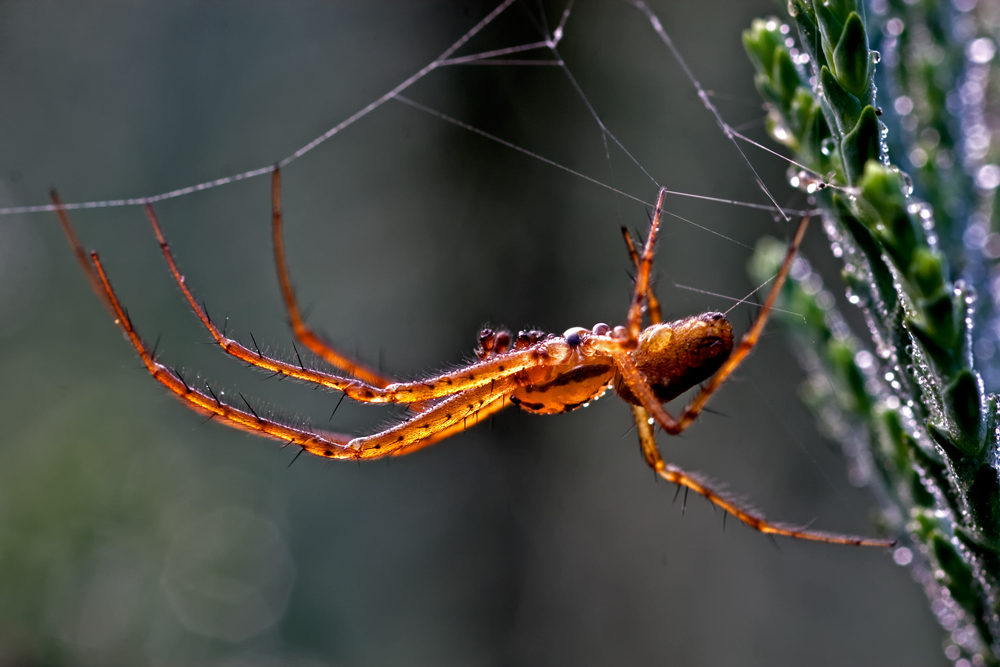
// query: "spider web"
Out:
[542,52]
[625,175]
[549,46]
[467,51]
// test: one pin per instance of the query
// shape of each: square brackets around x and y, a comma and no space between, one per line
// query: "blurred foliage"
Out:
[914,415]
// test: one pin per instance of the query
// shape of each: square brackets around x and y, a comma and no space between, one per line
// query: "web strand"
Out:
[746,299]
[253,173]
[494,57]
[503,142]
[511,50]
[704,97]
[738,301]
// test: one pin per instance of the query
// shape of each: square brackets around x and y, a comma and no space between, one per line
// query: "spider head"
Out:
[675,356]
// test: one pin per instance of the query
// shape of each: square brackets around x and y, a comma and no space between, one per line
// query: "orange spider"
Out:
[540,373]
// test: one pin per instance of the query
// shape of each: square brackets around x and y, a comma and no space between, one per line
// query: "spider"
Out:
[540,373]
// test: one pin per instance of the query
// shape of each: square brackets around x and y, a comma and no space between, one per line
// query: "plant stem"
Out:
[913,416]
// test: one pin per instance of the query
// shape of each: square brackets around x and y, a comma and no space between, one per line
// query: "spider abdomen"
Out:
[675,356]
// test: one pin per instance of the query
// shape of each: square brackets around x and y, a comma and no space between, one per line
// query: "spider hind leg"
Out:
[738,510]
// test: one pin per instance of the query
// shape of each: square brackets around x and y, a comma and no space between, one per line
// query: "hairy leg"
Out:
[672,473]
[652,308]
[81,255]
[750,517]
[640,388]
[475,375]
[303,333]
[208,403]
[643,269]
[444,419]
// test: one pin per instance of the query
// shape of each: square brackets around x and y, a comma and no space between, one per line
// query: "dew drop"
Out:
[902,556]
[907,184]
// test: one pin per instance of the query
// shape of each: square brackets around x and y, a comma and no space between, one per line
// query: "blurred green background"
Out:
[131,534]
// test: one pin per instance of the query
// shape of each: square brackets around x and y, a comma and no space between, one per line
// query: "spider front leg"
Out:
[652,308]
[470,394]
[498,403]
[751,337]
[644,266]
[674,474]
[640,387]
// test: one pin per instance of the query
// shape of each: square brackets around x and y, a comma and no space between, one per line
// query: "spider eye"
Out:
[486,340]
[574,335]
[486,337]
[502,342]
[601,329]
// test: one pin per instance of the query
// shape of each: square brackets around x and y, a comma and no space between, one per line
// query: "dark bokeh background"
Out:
[130,534]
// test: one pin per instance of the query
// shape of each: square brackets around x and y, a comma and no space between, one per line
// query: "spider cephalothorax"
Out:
[576,374]
[542,373]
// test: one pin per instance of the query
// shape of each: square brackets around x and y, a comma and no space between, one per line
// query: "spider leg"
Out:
[444,419]
[637,383]
[437,422]
[641,390]
[750,517]
[644,266]
[671,473]
[475,375]
[302,332]
[750,338]
[78,251]
[652,303]
[329,445]
[497,404]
